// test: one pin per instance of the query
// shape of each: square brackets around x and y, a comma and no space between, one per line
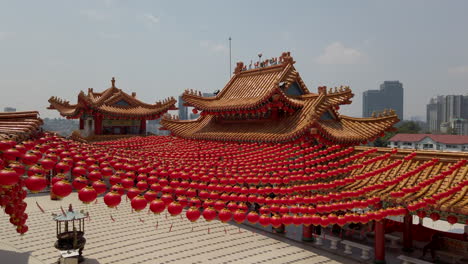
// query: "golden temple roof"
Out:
[112,102]
[19,126]
[259,88]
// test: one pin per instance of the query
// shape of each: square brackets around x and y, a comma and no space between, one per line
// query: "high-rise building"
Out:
[9,109]
[183,110]
[390,96]
[448,114]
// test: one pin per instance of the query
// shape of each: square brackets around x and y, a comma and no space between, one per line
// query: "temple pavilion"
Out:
[110,114]
[271,103]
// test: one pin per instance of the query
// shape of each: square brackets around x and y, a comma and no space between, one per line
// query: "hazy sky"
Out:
[158,49]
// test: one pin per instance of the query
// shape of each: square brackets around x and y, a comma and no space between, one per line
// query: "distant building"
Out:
[9,109]
[185,113]
[429,142]
[390,96]
[448,114]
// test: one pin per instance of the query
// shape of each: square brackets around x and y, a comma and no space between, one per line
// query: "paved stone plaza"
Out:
[145,238]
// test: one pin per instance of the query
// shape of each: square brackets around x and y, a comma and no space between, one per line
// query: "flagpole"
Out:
[230,63]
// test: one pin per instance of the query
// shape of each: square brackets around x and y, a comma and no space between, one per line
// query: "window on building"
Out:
[407,144]
[428,146]
[451,146]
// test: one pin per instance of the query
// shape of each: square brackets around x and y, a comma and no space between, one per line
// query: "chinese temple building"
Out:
[110,114]
[271,103]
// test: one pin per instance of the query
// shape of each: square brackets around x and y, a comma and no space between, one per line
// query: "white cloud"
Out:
[151,18]
[459,70]
[214,47]
[93,14]
[337,53]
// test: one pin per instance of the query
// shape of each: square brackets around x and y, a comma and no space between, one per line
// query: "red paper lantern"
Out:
[112,199]
[150,195]
[434,216]
[138,203]
[36,183]
[79,183]
[174,208]
[193,214]
[209,214]
[253,217]
[62,188]
[157,206]
[224,215]
[276,221]
[87,194]
[239,216]
[100,187]
[452,219]
[8,177]
[264,220]
[421,214]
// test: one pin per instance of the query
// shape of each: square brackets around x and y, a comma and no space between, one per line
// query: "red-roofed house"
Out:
[429,142]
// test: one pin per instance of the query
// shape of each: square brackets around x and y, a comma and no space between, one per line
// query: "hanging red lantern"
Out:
[87,194]
[8,177]
[118,188]
[112,199]
[100,187]
[157,206]
[209,214]
[287,219]
[434,216]
[224,215]
[239,216]
[421,214]
[452,219]
[174,208]
[36,183]
[79,183]
[138,203]
[94,175]
[150,195]
[127,183]
[167,198]
[276,221]
[193,214]
[264,220]
[62,188]
[133,192]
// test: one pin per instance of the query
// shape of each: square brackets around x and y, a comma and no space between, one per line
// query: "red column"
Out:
[407,235]
[307,233]
[81,123]
[379,241]
[97,124]
[143,126]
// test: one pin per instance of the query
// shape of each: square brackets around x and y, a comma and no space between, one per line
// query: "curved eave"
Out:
[287,129]
[353,130]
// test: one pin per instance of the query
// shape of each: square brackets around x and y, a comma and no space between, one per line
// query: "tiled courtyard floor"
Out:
[144,238]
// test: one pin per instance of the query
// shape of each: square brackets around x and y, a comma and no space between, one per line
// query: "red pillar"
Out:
[97,124]
[143,126]
[81,123]
[407,235]
[379,241]
[307,233]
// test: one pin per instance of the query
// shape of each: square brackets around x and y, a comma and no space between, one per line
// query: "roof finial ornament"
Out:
[374,114]
[113,82]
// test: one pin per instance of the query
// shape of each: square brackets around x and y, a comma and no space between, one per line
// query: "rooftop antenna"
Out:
[230,63]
